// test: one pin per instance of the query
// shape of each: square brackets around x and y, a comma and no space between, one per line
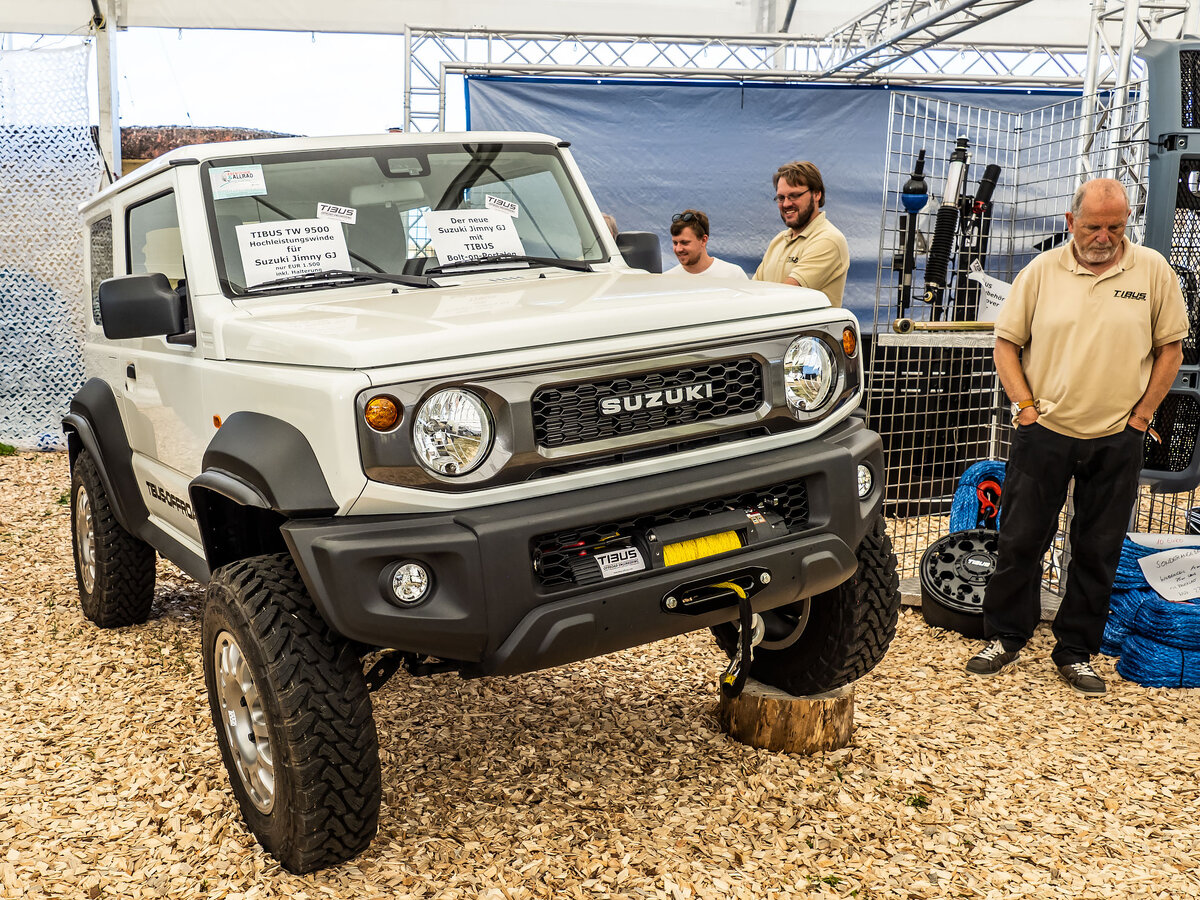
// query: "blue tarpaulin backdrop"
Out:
[652,148]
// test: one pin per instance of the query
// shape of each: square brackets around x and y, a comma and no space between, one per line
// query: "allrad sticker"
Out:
[620,562]
[237,181]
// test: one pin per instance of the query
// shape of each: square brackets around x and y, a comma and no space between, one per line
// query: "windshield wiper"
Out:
[575,265]
[329,275]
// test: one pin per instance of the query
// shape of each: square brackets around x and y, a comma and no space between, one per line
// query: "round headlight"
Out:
[452,432]
[809,374]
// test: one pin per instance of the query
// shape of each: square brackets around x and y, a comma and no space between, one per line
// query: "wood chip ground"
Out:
[608,778]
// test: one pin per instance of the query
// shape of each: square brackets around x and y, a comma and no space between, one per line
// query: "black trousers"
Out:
[1041,465]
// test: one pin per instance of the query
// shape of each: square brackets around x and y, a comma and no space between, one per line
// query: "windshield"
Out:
[391,210]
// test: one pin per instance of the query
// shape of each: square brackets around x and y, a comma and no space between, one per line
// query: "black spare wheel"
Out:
[955,571]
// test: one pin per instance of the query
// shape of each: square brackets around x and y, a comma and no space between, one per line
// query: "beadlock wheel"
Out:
[244,721]
[955,571]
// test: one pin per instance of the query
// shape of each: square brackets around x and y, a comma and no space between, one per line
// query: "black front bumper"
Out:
[490,611]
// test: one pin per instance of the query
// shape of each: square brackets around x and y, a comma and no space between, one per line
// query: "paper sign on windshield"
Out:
[463,235]
[272,250]
[237,181]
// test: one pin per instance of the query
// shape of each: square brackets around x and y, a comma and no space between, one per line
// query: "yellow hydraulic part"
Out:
[688,551]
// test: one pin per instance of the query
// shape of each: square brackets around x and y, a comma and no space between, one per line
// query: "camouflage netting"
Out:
[48,166]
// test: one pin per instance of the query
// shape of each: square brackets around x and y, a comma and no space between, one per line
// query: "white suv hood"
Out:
[366,327]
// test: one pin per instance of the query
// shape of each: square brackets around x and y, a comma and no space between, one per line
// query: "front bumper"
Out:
[490,611]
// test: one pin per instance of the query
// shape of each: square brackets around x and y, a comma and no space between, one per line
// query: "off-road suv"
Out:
[403,400]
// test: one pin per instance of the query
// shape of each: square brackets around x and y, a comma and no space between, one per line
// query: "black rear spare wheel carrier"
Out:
[955,571]
[293,716]
[832,639]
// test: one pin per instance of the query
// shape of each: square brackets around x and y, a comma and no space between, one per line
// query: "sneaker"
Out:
[992,659]
[1082,678]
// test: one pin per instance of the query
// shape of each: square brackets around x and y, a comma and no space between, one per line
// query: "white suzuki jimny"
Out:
[402,400]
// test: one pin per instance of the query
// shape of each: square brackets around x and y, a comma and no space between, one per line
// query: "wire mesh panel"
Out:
[932,393]
[50,165]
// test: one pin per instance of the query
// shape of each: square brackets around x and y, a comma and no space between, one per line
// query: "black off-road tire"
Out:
[293,716]
[114,569]
[847,632]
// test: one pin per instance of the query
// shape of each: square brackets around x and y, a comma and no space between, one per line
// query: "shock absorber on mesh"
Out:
[942,247]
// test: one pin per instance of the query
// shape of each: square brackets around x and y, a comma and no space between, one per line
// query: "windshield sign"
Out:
[393,211]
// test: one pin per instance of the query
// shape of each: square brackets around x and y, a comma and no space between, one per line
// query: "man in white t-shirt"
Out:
[689,240]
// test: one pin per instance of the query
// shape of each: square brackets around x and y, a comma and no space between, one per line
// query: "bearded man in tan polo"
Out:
[810,252]
[1087,345]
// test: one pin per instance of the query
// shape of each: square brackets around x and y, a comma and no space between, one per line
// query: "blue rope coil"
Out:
[1153,664]
[964,509]
[1157,640]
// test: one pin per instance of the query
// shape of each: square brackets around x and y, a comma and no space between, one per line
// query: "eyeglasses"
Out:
[779,198]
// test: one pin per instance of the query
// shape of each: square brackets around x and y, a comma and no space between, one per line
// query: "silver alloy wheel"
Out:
[244,721]
[85,540]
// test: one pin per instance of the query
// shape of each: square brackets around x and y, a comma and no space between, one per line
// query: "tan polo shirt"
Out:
[1087,338]
[818,257]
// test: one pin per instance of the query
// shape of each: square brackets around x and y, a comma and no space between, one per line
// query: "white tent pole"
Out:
[106,80]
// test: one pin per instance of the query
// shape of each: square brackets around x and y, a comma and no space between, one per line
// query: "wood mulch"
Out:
[608,778]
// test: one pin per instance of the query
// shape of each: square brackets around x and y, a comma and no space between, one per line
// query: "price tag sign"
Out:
[272,250]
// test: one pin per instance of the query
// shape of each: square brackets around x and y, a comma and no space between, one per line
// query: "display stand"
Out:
[766,717]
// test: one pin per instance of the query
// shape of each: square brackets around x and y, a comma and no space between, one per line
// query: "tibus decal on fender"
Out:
[676,396]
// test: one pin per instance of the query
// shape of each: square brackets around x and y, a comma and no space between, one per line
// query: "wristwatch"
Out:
[1023,404]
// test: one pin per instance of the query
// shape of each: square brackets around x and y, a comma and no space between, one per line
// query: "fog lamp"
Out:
[410,583]
[866,481]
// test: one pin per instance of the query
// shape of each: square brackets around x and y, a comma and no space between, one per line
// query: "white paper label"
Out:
[1175,574]
[619,562]
[347,214]
[1165,541]
[237,181]
[463,235]
[272,250]
[499,204]
[993,292]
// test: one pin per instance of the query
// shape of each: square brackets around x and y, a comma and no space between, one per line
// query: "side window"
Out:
[100,257]
[152,239]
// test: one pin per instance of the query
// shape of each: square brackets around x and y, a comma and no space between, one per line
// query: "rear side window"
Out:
[100,257]
[152,239]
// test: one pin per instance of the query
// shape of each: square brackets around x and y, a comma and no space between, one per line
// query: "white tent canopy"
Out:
[1059,22]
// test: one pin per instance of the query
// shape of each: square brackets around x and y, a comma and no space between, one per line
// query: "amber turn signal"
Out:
[382,413]
[849,342]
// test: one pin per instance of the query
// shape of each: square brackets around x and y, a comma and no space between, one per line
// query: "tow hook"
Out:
[750,633]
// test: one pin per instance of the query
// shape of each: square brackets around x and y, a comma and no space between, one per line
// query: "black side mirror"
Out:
[641,250]
[133,306]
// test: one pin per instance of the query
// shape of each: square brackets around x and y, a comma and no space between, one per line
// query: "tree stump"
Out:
[766,717]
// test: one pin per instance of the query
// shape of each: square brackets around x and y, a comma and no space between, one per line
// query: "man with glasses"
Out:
[810,252]
[689,240]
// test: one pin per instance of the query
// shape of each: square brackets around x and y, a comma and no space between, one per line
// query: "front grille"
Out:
[568,414]
[1185,252]
[551,553]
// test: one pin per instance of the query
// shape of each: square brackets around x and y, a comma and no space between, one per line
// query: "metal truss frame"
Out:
[433,54]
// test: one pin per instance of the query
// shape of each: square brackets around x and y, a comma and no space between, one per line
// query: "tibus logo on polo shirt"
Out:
[1130,295]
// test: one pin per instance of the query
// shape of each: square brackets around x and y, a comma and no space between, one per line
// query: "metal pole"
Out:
[1091,84]
[408,78]
[1129,30]
[106,81]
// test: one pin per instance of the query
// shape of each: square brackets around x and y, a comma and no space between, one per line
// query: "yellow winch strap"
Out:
[729,585]
[699,548]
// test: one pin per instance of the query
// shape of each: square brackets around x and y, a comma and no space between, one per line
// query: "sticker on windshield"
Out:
[272,250]
[499,204]
[347,214]
[237,181]
[463,235]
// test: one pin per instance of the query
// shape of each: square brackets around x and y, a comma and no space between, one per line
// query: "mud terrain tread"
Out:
[123,591]
[330,746]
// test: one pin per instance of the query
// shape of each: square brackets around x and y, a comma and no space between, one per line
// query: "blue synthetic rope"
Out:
[1153,664]
[1157,640]
[964,510]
